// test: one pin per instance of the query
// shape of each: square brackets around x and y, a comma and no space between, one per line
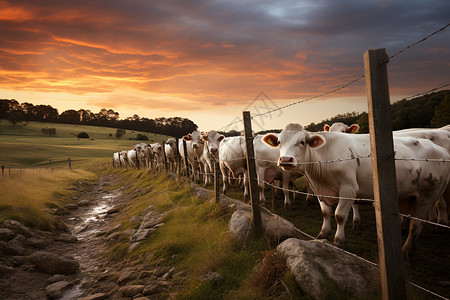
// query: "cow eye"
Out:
[303,143]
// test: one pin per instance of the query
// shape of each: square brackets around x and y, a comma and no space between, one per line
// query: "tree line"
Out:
[16,112]
[427,111]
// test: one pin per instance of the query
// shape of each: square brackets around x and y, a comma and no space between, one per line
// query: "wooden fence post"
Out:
[137,159]
[50,163]
[3,170]
[70,163]
[216,181]
[253,184]
[185,158]
[384,177]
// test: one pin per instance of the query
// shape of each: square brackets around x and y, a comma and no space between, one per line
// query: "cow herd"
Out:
[336,164]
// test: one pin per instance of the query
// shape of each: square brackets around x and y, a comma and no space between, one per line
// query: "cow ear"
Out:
[352,129]
[187,137]
[326,127]
[221,137]
[271,140]
[316,141]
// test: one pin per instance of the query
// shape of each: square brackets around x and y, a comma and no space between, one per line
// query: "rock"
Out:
[315,262]
[239,228]
[135,219]
[113,236]
[132,246]
[168,274]
[212,277]
[141,298]
[141,234]
[151,219]
[156,287]
[126,276]
[19,260]
[18,227]
[114,229]
[5,271]
[113,210]
[6,234]
[37,242]
[53,263]
[66,238]
[56,290]
[70,207]
[98,296]
[275,228]
[15,246]
[131,290]
[56,278]
[130,231]
[83,203]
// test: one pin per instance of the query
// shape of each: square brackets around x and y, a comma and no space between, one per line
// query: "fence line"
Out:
[424,221]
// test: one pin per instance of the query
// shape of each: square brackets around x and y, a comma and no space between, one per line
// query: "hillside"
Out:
[25,145]
[427,111]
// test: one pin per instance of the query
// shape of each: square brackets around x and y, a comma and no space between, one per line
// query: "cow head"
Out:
[341,127]
[212,139]
[295,143]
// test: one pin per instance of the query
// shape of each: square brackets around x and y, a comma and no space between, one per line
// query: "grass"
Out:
[29,197]
[194,239]
[23,144]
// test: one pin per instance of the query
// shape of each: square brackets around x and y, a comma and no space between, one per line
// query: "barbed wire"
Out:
[425,221]
[427,92]
[418,42]
[428,291]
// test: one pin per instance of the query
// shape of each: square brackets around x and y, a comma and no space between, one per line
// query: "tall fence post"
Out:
[384,177]
[216,181]
[185,158]
[137,159]
[50,163]
[3,170]
[70,163]
[250,157]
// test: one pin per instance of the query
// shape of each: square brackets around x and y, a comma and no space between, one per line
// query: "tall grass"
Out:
[28,197]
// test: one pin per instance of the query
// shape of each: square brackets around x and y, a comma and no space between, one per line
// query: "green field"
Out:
[24,144]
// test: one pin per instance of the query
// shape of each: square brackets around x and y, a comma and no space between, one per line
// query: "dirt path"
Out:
[87,222]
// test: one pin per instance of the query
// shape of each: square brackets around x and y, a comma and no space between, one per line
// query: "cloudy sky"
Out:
[207,60]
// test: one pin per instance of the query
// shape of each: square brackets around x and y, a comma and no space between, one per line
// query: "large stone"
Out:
[275,228]
[6,234]
[98,296]
[141,234]
[37,242]
[16,245]
[156,287]
[56,290]
[318,267]
[53,263]
[131,290]
[151,219]
[18,227]
[126,276]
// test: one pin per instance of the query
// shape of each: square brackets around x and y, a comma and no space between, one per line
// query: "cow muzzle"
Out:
[286,162]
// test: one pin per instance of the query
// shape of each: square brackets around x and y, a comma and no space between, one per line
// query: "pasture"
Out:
[24,145]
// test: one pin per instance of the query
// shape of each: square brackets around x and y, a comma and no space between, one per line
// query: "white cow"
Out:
[232,162]
[267,169]
[131,158]
[341,127]
[210,153]
[158,155]
[143,154]
[171,152]
[123,159]
[116,158]
[419,184]
[195,153]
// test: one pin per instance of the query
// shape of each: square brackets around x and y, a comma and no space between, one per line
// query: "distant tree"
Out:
[69,117]
[15,117]
[83,135]
[120,132]
[442,113]
[363,123]
[141,137]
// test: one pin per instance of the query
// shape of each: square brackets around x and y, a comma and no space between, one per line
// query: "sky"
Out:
[208,60]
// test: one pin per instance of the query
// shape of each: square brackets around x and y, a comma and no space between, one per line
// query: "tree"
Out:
[83,135]
[120,132]
[69,117]
[442,113]
[15,117]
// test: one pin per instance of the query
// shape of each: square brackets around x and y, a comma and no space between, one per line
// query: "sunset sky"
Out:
[209,60]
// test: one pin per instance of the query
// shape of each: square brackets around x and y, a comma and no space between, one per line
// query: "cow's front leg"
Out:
[326,225]
[286,177]
[356,217]
[341,215]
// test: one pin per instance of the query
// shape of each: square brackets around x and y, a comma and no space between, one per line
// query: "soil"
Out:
[85,223]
